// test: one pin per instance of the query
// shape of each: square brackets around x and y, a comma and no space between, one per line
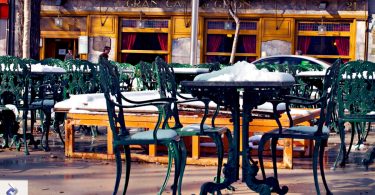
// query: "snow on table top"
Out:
[311,73]
[190,70]
[45,68]
[244,71]
[39,68]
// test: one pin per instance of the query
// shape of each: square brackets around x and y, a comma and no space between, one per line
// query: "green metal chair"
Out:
[82,77]
[168,88]
[116,103]
[145,75]
[14,88]
[356,104]
[45,91]
[53,62]
[127,72]
[319,133]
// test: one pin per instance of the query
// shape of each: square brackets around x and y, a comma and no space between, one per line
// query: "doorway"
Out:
[58,47]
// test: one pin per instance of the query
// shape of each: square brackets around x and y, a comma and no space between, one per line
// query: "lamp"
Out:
[228,25]
[58,21]
[322,28]
[140,22]
[323,5]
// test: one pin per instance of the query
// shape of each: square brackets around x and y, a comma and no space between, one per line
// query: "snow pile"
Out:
[45,68]
[244,71]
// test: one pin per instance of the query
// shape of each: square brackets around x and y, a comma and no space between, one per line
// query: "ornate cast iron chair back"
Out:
[82,77]
[126,75]
[327,100]
[14,89]
[53,62]
[356,103]
[167,87]
[145,72]
[14,78]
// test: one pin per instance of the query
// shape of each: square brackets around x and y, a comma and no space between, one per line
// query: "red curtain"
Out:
[163,42]
[213,42]
[128,40]
[249,43]
[342,44]
[303,44]
[213,45]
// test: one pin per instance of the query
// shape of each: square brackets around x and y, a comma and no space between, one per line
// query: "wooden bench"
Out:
[147,120]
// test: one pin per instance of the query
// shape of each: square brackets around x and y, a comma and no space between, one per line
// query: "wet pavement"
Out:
[51,173]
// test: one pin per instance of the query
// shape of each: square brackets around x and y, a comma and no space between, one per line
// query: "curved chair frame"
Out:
[168,88]
[319,133]
[115,108]
[356,104]
[14,87]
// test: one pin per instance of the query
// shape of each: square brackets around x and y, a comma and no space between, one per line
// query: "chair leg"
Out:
[354,128]
[321,155]
[46,127]
[368,130]
[127,167]
[59,119]
[182,164]
[118,169]
[177,163]
[342,150]
[273,150]
[220,154]
[170,159]
[24,132]
[262,141]
[315,164]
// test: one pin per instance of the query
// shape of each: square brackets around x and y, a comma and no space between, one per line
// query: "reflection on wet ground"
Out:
[52,173]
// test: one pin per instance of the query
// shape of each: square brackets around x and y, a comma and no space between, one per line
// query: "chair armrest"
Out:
[168,100]
[300,100]
[153,102]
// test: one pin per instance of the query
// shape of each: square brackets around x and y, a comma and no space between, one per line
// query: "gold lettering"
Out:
[217,4]
[136,3]
[153,3]
[167,4]
[126,3]
[178,4]
[145,4]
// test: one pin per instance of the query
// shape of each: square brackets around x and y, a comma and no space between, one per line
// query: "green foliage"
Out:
[290,68]
[53,62]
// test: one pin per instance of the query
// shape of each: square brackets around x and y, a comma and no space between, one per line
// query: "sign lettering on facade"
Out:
[179,4]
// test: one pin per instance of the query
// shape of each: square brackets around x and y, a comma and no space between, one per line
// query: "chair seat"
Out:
[299,132]
[147,137]
[194,129]
[44,103]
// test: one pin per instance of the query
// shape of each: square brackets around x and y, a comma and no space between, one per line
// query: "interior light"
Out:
[58,22]
[323,5]
[140,22]
[228,25]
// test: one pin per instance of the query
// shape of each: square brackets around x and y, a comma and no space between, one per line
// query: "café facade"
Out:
[143,29]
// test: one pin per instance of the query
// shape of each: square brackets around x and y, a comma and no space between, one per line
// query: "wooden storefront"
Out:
[143,29]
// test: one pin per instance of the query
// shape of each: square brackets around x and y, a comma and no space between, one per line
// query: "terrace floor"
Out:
[51,173]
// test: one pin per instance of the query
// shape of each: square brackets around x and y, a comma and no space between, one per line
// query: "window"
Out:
[219,40]
[325,40]
[144,44]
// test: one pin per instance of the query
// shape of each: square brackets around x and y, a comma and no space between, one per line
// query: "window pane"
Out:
[144,41]
[225,59]
[223,43]
[136,58]
[324,45]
